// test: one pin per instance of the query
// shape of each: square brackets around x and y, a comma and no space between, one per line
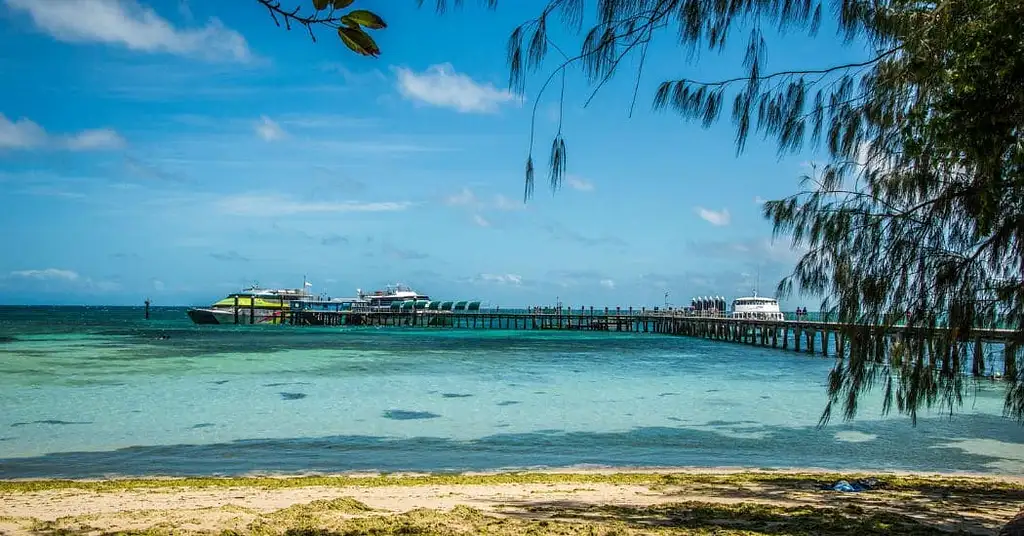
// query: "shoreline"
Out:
[582,472]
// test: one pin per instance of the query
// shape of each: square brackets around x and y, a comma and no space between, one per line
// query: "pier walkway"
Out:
[814,337]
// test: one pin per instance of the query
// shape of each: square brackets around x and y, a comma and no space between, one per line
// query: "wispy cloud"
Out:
[268,129]
[47,274]
[758,200]
[501,279]
[755,250]
[441,86]
[59,278]
[96,139]
[354,77]
[229,256]
[133,26]
[25,134]
[480,221]
[142,170]
[394,252]
[334,240]
[579,183]
[561,232]
[504,203]
[242,205]
[468,199]
[579,278]
[719,218]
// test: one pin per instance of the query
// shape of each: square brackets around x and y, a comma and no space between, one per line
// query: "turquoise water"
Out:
[87,392]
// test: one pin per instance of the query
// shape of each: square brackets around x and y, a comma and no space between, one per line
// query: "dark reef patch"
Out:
[508,402]
[50,421]
[279,384]
[202,425]
[406,415]
[455,395]
[219,382]
[293,396]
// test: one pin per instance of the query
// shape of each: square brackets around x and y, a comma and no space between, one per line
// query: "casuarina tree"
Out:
[916,216]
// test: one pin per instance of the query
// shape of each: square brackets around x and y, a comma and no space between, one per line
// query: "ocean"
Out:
[96,392]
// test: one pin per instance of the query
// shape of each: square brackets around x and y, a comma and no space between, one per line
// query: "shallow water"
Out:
[88,392]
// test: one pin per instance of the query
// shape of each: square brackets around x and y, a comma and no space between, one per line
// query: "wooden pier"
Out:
[813,337]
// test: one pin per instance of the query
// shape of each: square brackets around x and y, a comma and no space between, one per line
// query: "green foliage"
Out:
[918,213]
[349,26]
[362,17]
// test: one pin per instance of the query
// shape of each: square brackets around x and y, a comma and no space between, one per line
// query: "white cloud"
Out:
[26,134]
[608,283]
[467,198]
[503,279]
[714,217]
[441,86]
[101,138]
[464,198]
[259,204]
[21,134]
[481,221]
[48,274]
[758,200]
[503,203]
[268,129]
[579,183]
[129,24]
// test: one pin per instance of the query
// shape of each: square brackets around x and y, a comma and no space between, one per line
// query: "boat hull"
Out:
[227,316]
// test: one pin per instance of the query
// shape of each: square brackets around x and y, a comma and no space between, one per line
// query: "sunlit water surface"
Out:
[88,392]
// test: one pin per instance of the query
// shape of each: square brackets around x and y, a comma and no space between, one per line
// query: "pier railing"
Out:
[800,334]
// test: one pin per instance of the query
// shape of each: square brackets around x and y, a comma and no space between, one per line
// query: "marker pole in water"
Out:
[147,308]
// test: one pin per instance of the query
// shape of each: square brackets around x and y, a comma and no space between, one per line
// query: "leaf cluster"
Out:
[916,218]
[350,26]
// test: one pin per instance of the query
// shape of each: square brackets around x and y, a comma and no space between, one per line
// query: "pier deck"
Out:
[814,337]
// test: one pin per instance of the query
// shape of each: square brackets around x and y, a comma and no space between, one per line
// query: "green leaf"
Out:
[320,4]
[349,21]
[367,18]
[357,40]
[342,4]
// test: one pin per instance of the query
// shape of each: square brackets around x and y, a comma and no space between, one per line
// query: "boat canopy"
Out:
[460,306]
[421,304]
[447,306]
[395,306]
[473,306]
[434,305]
[407,305]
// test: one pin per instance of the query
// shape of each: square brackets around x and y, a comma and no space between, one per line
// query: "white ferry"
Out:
[757,308]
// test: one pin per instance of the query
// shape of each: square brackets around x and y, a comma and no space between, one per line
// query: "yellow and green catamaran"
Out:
[264,306]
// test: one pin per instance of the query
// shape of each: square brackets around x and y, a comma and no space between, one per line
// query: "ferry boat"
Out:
[397,293]
[264,305]
[267,306]
[757,308]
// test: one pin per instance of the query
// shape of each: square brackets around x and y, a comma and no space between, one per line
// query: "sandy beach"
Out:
[674,501]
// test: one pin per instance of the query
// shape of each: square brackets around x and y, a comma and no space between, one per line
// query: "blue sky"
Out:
[182,150]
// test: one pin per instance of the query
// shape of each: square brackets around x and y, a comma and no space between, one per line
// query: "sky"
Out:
[182,150]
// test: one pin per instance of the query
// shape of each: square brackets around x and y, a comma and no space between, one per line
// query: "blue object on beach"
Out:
[843,485]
